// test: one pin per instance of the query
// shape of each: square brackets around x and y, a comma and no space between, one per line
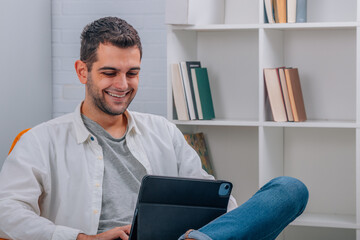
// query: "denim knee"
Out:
[296,190]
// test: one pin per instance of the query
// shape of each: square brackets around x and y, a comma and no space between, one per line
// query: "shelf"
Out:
[284,26]
[326,220]
[217,27]
[320,25]
[313,124]
[218,122]
[249,123]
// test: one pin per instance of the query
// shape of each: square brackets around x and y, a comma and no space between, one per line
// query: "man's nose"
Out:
[121,82]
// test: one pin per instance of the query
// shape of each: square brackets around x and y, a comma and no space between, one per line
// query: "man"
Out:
[77,176]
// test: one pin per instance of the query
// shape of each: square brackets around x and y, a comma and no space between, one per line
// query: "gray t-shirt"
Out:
[122,179]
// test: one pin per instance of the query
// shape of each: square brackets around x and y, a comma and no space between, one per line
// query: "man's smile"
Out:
[117,95]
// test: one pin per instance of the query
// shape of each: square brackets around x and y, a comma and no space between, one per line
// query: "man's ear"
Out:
[81,71]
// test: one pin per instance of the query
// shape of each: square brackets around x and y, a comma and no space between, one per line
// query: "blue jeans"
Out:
[262,217]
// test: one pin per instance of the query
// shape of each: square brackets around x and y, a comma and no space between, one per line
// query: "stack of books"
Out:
[191,91]
[285,11]
[285,94]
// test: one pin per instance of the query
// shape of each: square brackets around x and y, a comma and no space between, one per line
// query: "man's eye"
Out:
[132,74]
[109,74]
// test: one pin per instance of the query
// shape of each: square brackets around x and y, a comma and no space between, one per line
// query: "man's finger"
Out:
[127,229]
[123,235]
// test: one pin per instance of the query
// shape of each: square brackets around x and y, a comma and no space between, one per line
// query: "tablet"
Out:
[169,206]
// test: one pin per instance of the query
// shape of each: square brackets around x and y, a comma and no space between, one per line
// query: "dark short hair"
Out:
[107,30]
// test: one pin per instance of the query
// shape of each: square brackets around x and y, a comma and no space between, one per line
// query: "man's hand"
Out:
[115,233]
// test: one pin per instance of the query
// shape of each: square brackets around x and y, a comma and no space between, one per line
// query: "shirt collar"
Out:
[132,126]
[82,133]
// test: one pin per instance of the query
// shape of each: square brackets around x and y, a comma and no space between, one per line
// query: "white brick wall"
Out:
[69,18]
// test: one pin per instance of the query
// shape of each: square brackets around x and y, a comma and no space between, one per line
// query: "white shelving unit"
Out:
[249,149]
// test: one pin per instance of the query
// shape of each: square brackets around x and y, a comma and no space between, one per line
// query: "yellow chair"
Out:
[13,145]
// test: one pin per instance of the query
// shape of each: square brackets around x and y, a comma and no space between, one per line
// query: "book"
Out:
[196,93]
[275,95]
[295,94]
[280,11]
[204,91]
[291,11]
[187,88]
[285,92]
[178,93]
[189,66]
[301,11]
[269,10]
[266,20]
[198,143]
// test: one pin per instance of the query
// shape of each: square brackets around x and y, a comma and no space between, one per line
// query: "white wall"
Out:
[25,67]
[147,16]
[29,94]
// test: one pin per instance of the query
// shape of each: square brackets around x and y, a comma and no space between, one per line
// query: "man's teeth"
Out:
[115,95]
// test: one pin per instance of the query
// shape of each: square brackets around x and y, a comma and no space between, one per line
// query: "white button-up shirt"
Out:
[50,183]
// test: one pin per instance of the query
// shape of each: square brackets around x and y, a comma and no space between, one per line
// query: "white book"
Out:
[291,11]
[178,92]
[196,92]
[269,10]
[189,98]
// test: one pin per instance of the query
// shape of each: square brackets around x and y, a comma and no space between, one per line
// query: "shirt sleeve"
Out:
[189,163]
[23,179]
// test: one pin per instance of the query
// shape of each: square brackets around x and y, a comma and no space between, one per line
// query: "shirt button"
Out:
[100,157]
[95,211]
[92,138]
[97,185]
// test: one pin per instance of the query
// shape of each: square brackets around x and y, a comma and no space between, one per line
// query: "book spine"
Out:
[205,93]
[276,12]
[178,93]
[196,93]
[285,92]
[189,66]
[301,11]
[291,94]
[291,11]
[273,87]
[281,11]
[269,10]
[266,20]
[185,78]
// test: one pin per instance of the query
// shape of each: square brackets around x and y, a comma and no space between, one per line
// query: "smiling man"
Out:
[78,176]
[111,85]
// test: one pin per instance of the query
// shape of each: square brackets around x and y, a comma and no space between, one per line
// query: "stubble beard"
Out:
[99,100]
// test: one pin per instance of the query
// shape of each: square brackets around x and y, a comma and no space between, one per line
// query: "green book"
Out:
[204,93]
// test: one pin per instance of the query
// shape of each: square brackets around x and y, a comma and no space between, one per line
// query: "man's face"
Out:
[114,78]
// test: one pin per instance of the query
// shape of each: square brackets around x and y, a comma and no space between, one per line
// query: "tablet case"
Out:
[169,206]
